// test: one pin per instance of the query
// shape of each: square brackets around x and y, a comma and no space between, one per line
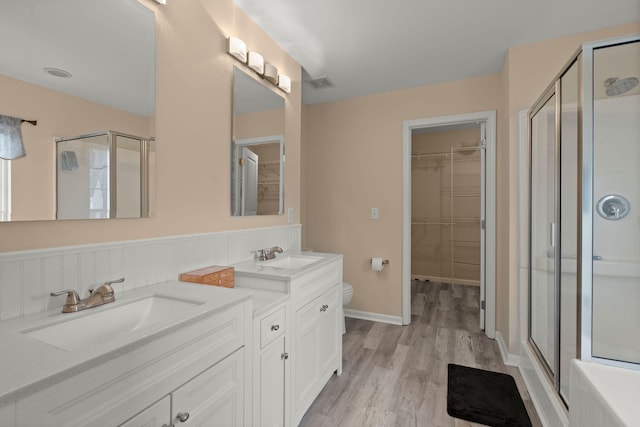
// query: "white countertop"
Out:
[263,268]
[27,365]
[264,301]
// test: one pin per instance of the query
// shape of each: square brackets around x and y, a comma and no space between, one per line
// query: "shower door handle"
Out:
[552,234]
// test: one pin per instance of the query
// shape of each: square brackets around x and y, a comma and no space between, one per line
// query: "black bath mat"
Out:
[485,397]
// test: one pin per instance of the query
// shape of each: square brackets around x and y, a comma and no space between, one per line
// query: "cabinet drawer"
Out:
[271,327]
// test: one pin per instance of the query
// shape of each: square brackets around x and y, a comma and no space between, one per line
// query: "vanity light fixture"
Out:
[256,62]
[271,73]
[237,48]
[284,83]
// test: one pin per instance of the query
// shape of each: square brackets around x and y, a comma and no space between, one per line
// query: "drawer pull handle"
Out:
[284,356]
[324,307]
[275,327]
[182,416]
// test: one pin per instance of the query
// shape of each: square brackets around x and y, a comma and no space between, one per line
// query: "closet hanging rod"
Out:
[445,153]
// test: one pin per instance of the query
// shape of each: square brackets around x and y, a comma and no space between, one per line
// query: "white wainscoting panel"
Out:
[27,277]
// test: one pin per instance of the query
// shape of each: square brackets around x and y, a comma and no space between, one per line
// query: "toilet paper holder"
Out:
[384,261]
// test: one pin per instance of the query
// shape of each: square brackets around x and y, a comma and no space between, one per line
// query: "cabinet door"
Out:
[306,357]
[272,384]
[213,398]
[156,415]
[329,330]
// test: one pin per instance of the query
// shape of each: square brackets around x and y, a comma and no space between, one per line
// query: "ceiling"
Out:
[371,46]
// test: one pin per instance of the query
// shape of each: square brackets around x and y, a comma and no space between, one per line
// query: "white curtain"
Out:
[11,138]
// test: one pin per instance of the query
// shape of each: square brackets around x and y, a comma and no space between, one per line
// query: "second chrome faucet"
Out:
[270,253]
[103,294]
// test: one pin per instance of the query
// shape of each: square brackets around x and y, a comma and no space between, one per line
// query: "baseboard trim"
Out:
[507,358]
[374,317]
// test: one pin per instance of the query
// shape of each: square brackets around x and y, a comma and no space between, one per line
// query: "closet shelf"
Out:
[465,243]
[468,264]
[446,221]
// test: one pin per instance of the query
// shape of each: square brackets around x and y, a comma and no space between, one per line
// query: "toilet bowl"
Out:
[347,293]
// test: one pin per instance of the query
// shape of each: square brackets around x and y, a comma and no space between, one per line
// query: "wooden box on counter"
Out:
[214,275]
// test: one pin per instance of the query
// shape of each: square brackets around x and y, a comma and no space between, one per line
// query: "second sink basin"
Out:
[292,262]
[106,324]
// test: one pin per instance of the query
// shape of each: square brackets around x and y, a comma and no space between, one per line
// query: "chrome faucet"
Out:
[266,254]
[103,294]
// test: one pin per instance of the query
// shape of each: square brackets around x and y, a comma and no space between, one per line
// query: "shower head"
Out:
[616,86]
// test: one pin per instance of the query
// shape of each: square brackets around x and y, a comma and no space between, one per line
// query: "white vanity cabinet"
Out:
[198,373]
[315,331]
[157,415]
[271,368]
[213,398]
[317,347]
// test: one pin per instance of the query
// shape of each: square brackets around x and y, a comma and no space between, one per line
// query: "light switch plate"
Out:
[290,215]
[374,213]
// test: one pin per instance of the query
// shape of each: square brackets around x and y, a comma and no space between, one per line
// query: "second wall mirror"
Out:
[258,149]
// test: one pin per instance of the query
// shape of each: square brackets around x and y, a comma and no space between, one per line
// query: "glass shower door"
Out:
[542,297]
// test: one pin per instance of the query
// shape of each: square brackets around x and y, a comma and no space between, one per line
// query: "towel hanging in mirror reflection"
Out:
[68,160]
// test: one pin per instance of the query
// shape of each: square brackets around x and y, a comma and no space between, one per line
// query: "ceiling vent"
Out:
[321,83]
[57,72]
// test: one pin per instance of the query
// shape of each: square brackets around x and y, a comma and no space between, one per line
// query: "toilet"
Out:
[347,293]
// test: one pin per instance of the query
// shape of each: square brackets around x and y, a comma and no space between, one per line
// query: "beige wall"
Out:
[353,162]
[193,131]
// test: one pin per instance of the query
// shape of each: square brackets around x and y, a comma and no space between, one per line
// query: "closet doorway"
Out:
[449,207]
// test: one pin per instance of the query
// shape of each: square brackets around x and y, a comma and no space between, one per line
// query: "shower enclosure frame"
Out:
[584,58]
[145,208]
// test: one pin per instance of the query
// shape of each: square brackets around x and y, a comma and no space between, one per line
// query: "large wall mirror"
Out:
[85,71]
[257,153]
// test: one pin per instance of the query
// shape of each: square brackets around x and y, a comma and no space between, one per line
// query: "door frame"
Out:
[489,119]
[236,146]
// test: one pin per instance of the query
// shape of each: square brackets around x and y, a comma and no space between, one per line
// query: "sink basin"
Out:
[292,262]
[93,328]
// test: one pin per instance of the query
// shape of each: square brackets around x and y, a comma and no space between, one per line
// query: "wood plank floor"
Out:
[397,375]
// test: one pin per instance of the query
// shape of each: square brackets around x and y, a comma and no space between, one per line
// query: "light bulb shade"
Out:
[284,83]
[237,48]
[271,73]
[256,62]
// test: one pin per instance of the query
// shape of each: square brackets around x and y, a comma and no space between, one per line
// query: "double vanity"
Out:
[175,352]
